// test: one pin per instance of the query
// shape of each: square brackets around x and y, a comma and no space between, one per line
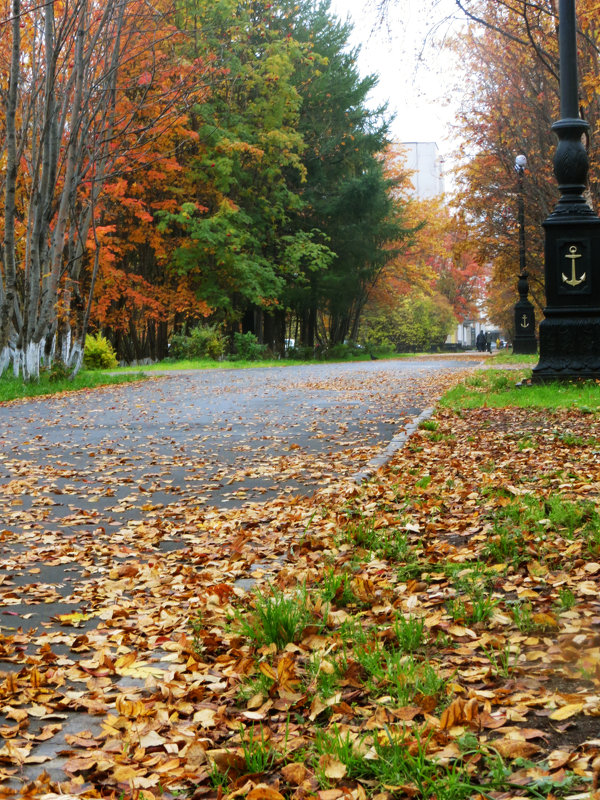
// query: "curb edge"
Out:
[397,443]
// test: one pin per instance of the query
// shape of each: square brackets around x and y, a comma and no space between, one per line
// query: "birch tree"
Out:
[65,130]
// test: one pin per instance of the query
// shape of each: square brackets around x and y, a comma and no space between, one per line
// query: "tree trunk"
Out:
[8,285]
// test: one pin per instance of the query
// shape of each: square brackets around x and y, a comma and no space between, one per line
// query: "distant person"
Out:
[481,342]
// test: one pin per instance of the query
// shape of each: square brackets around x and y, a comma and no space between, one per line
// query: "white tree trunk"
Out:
[76,358]
[5,358]
[65,349]
[31,360]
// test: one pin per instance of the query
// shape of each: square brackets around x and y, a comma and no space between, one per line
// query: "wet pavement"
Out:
[82,465]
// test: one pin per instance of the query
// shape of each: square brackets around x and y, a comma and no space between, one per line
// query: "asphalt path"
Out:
[96,462]
[89,464]
[217,437]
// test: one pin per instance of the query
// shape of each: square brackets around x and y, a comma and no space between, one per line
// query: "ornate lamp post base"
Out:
[524,342]
[569,350]
[570,333]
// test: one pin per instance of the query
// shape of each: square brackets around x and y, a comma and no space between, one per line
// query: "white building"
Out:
[424,161]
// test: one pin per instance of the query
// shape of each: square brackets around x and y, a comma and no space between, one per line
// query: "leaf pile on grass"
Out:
[433,634]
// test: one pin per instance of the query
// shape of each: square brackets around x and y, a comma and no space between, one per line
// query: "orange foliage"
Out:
[153,139]
[435,259]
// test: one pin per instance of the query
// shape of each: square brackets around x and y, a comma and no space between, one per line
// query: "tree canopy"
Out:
[194,160]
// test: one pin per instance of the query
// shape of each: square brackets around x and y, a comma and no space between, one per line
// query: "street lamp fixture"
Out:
[570,332]
[524,340]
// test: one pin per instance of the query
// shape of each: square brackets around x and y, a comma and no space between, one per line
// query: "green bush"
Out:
[300,353]
[99,353]
[247,348]
[58,372]
[339,352]
[203,341]
[416,322]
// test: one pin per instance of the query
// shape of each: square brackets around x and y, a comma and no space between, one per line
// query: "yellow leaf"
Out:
[267,670]
[545,620]
[332,768]
[512,748]
[564,712]
[263,792]
[206,717]
[75,619]
[123,774]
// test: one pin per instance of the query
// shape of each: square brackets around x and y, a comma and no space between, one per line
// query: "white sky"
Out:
[414,74]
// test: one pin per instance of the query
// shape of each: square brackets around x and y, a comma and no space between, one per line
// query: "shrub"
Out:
[416,322]
[58,372]
[301,353]
[203,341]
[338,352]
[247,348]
[99,353]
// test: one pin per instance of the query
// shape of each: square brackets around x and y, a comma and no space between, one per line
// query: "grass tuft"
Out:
[277,618]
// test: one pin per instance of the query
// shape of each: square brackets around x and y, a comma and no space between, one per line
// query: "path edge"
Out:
[397,443]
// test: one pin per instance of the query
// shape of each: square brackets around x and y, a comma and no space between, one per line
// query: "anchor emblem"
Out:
[573,280]
[524,322]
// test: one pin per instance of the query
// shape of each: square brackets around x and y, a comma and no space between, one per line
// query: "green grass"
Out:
[497,388]
[394,762]
[15,388]
[258,753]
[388,543]
[410,633]
[507,357]
[277,618]
[207,363]
[397,675]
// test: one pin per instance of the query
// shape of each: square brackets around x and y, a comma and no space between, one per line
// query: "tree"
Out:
[65,129]
[346,192]
[434,266]
[139,299]
[416,322]
[238,250]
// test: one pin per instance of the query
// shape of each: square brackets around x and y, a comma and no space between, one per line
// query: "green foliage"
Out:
[247,348]
[343,351]
[291,211]
[58,372]
[417,323]
[276,618]
[203,341]
[99,353]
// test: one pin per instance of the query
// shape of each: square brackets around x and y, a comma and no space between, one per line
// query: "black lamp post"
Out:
[570,332]
[524,340]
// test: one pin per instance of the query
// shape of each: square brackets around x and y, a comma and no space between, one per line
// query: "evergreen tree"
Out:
[346,195]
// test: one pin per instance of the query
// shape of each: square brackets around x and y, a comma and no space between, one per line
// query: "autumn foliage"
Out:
[510,54]
[185,162]
[433,273]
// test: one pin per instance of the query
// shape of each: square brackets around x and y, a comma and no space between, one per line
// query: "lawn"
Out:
[15,388]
